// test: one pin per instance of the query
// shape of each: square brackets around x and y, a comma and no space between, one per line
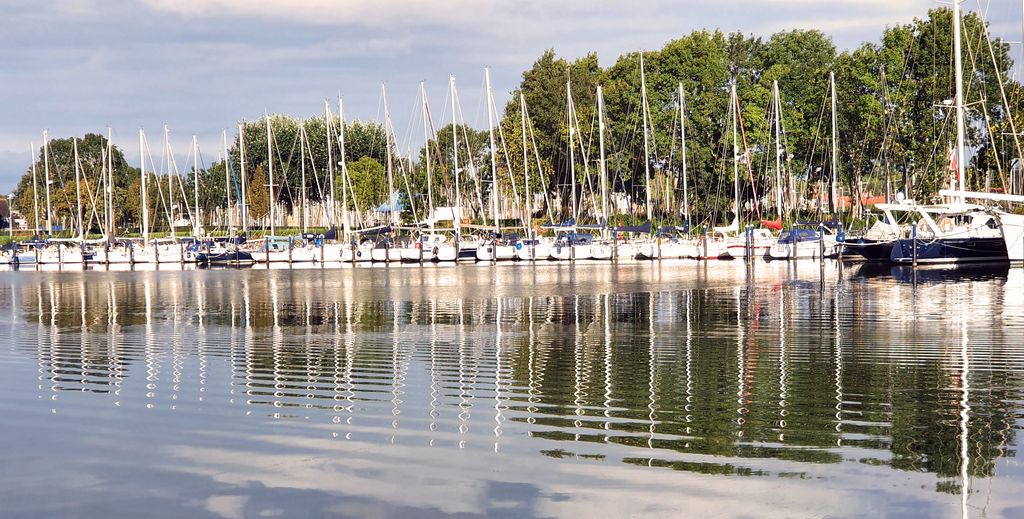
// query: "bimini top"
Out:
[644,228]
[798,235]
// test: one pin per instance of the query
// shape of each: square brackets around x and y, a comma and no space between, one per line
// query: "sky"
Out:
[199,66]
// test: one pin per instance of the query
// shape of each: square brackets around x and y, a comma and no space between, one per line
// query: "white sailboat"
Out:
[495,249]
[757,241]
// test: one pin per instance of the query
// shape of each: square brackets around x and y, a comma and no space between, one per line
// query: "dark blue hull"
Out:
[223,258]
[870,250]
[949,250]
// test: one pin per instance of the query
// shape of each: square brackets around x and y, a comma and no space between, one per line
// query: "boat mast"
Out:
[682,133]
[528,194]
[244,202]
[834,202]
[35,193]
[572,148]
[959,99]
[391,175]
[494,151]
[198,221]
[112,221]
[78,192]
[330,165]
[170,179]
[426,140]
[604,169]
[778,147]
[455,169]
[345,226]
[270,167]
[647,149]
[735,154]
[227,185]
[144,192]
[46,171]
[302,192]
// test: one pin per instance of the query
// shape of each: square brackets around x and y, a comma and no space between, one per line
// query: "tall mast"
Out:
[778,147]
[302,192]
[572,147]
[526,163]
[227,184]
[197,223]
[35,194]
[604,169]
[960,131]
[142,179]
[78,192]
[834,202]
[170,179]
[46,171]
[391,174]
[682,133]
[270,167]
[330,164]
[735,154]
[455,167]
[647,149]
[244,202]
[346,229]
[426,140]
[494,151]
[111,221]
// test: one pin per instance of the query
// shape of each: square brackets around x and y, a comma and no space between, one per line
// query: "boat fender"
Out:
[519,245]
[434,251]
[359,254]
[418,245]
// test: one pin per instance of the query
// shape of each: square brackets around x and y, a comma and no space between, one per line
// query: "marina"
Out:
[732,274]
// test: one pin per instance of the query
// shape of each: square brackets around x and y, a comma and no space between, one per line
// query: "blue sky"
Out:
[73,66]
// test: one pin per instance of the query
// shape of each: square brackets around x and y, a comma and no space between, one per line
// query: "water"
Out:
[596,391]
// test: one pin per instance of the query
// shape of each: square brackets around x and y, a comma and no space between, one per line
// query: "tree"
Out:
[259,195]
[369,183]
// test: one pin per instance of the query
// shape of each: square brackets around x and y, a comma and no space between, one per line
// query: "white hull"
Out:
[361,254]
[447,252]
[601,251]
[803,250]
[574,252]
[417,255]
[491,253]
[715,249]
[1013,234]
[666,250]
[538,252]
[382,255]
[740,251]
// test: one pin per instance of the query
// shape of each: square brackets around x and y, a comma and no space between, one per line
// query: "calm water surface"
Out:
[652,390]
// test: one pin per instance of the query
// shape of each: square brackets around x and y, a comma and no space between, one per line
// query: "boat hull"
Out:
[949,250]
[870,250]
[1013,235]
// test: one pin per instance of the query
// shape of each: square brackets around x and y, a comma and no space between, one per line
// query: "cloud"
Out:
[200,65]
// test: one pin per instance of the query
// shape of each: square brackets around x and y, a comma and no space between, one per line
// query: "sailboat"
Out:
[957,231]
[877,242]
[386,248]
[714,244]
[813,240]
[570,244]
[1011,225]
[757,241]
[671,242]
[499,247]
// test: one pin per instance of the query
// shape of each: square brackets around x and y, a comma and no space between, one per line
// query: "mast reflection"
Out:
[695,376]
